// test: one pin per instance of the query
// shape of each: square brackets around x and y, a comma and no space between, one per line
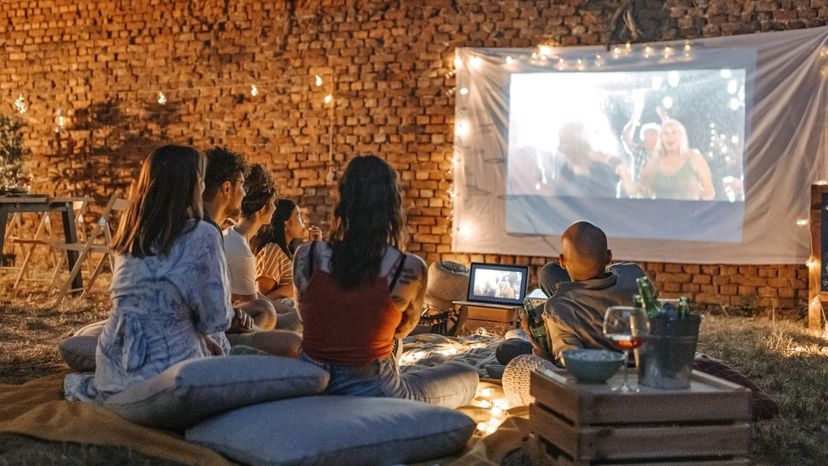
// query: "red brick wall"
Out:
[387,64]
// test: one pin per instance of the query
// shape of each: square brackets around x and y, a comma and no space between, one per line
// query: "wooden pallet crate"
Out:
[708,424]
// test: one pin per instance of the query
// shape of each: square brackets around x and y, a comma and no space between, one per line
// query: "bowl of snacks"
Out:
[592,365]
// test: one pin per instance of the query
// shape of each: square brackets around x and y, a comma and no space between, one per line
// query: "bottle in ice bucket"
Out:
[684,306]
[649,297]
[536,324]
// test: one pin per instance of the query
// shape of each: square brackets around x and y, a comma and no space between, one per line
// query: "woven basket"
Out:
[447,281]
[516,378]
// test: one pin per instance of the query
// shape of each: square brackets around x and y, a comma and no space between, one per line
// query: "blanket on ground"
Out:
[37,409]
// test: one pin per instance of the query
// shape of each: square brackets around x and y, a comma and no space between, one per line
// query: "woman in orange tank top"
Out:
[358,292]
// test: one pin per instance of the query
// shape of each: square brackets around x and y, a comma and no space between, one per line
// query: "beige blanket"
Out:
[37,408]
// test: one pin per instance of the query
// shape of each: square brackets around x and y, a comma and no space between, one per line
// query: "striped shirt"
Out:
[273,263]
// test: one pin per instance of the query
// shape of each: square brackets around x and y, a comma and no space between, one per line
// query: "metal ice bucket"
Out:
[666,358]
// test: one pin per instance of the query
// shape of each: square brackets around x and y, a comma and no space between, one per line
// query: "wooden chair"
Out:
[99,241]
[43,236]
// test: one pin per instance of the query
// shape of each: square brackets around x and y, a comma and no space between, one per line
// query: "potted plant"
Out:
[13,178]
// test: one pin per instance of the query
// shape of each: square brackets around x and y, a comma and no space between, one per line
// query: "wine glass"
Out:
[627,327]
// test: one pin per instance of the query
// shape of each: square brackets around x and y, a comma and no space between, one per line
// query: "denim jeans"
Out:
[450,385]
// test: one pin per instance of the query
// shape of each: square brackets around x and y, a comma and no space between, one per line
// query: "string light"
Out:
[60,120]
[162,99]
[458,63]
[802,222]
[328,98]
[20,104]
[318,81]
[668,52]
[509,60]
[254,91]
[462,128]
[580,64]
[821,182]
[648,51]
[464,91]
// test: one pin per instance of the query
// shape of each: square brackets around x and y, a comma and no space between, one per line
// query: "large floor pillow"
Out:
[79,352]
[192,390]
[340,430]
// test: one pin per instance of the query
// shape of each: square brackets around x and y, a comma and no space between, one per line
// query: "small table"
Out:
[42,203]
[708,423]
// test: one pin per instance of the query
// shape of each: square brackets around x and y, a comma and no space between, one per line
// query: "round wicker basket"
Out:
[447,281]
[516,378]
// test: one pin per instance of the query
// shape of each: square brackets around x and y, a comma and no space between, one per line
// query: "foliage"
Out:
[12,149]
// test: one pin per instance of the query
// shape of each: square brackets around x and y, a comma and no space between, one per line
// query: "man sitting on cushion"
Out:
[574,316]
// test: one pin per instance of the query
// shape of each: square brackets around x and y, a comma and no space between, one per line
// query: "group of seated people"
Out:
[185,286]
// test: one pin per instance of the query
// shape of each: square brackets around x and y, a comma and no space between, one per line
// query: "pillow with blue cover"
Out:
[339,430]
[192,390]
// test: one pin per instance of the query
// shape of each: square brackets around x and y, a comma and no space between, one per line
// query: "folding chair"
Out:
[99,240]
[44,236]
[14,232]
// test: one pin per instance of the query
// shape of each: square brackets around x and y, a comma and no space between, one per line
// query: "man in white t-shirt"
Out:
[223,194]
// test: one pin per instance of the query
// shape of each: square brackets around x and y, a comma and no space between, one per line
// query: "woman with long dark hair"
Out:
[358,292]
[170,292]
[274,255]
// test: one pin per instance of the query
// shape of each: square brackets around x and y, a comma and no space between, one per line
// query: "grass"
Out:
[787,361]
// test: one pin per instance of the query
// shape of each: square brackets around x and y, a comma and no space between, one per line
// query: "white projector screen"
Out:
[683,152]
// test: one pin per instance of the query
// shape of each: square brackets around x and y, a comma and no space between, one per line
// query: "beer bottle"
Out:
[536,324]
[649,297]
[684,306]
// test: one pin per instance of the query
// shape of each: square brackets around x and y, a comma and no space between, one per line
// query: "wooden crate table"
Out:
[494,318]
[707,424]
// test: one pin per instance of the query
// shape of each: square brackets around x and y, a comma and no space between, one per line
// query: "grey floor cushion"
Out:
[193,390]
[338,430]
[79,352]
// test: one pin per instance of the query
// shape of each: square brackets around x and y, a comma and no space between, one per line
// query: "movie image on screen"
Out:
[497,283]
[675,134]
[647,153]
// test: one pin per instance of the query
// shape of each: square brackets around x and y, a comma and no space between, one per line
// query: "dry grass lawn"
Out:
[790,363]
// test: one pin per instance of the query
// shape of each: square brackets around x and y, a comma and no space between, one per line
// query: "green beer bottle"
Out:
[684,306]
[536,324]
[649,297]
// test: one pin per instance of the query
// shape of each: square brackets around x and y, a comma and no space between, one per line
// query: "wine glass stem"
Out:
[626,386]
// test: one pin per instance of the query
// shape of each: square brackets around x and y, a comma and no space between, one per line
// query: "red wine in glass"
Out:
[626,342]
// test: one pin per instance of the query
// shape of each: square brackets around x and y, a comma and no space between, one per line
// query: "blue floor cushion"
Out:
[338,430]
[193,390]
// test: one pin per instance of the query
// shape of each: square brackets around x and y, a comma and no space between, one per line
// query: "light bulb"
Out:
[464,91]
[509,60]
[802,222]
[20,104]
[328,98]
[254,91]
[318,80]
[162,99]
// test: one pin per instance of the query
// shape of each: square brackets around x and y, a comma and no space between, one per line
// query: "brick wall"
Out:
[386,64]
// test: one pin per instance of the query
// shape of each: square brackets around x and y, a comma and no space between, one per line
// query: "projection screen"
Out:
[698,152]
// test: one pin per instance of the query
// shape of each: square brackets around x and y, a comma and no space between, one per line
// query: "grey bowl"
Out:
[592,365]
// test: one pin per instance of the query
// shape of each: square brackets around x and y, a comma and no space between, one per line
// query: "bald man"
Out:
[574,315]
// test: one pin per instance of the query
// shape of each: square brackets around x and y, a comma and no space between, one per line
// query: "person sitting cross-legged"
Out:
[170,299]
[574,315]
[223,194]
[257,208]
[358,292]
